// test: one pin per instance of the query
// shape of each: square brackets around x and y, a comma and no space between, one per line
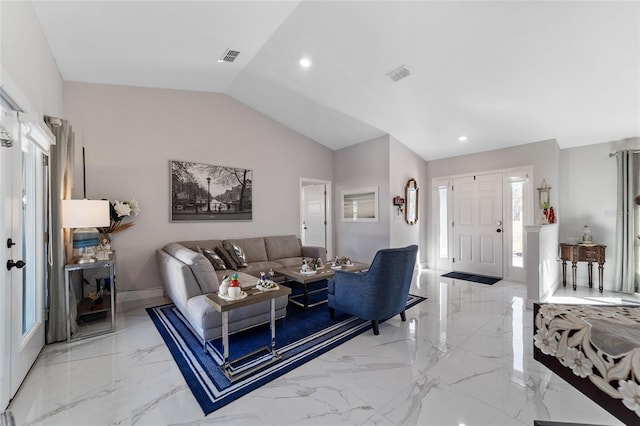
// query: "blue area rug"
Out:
[300,337]
[482,279]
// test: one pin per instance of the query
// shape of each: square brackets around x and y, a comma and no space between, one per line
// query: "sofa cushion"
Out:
[291,261]
[246,280]
[200,266]
[283,246]
[253,248]
[203,316]
[226,257]
[216,261]
[236,252]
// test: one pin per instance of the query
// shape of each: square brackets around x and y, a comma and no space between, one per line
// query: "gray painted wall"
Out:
[27,63]
[404,164]
[131,133]
[363,165]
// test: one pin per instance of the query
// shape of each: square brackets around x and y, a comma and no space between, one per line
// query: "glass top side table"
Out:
[103,301]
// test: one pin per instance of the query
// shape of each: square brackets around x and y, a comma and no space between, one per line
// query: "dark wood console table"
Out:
[575,253]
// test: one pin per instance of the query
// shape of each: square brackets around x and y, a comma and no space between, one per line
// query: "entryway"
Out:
[479,220]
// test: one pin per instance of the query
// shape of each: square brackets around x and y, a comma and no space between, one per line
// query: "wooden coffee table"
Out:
[224,306]
[292,274]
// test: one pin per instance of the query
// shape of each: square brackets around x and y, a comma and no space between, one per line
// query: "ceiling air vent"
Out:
[229,56]
[399,73]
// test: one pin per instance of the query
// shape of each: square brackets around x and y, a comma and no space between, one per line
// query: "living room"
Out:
[130,133]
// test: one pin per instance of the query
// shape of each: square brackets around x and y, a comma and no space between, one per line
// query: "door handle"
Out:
[19,264]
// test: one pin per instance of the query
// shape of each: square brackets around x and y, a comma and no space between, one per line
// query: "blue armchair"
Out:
[379,293]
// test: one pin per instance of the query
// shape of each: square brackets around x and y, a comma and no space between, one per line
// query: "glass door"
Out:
[25,215]
[5,283]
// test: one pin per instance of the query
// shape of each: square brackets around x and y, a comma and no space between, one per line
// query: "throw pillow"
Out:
[226,257]
[216,261]
[237,253]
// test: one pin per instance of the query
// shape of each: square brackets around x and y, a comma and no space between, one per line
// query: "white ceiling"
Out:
[502,73]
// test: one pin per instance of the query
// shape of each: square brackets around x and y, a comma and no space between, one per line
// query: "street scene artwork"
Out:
[207,192]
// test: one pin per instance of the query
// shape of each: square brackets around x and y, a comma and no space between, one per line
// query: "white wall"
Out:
[543,156]
[131,133]
[363,165]
[28,71]
[404,164]
[588,176]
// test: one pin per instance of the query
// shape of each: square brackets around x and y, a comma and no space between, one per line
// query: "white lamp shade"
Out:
[85,213]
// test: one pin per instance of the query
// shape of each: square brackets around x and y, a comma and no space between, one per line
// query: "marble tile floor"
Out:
[463,357]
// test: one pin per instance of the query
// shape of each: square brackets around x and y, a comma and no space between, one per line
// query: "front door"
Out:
[23,262]
[477,224]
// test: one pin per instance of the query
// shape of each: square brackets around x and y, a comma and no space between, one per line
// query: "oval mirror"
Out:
[411,208]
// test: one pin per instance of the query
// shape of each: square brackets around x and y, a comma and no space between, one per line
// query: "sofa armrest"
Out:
[314,252]
[177,277]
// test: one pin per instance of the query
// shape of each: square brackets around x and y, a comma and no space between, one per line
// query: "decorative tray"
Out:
[309,272]
[232,299]
[267,286]
[346,265]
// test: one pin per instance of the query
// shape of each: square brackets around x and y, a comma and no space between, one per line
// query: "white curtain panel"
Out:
[627,229]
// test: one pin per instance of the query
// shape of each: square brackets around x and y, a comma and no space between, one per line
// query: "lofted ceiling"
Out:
[501,73]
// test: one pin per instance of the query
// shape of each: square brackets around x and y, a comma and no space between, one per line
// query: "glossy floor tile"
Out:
[463,357]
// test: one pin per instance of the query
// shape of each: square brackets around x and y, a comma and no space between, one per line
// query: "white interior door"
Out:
[477,224]
[24,203]
[314,222]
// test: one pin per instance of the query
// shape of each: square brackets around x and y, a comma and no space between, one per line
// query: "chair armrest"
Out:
[314,252]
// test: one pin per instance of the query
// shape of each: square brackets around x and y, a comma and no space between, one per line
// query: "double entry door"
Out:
[23,229]
[477,224]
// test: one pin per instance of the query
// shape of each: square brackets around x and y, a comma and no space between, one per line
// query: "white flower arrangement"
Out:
[120,211]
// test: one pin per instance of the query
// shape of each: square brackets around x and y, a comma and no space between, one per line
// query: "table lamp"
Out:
[84,216]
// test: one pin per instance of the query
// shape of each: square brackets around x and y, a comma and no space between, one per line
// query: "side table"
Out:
[589,253]
[86,305]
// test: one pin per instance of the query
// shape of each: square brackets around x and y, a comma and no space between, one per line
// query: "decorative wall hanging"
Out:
[360,205]
[204,192]
[411,195]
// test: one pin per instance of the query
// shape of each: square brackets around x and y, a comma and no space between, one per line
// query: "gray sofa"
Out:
[188,276]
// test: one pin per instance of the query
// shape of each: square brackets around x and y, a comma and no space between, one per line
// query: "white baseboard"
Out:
[132,295]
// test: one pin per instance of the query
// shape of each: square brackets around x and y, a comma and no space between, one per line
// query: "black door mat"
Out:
[472,277]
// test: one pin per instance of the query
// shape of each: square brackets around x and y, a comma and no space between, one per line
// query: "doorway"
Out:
[517,211]
[477,224]
[24,202]
[315,214]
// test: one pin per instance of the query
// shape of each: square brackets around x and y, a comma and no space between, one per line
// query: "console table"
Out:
[589,253]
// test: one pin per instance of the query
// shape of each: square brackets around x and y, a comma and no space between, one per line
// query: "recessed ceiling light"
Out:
[462,138]
[305,62]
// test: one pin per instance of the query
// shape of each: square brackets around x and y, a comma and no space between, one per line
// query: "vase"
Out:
[105,242]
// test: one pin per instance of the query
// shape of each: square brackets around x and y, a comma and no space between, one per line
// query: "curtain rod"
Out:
[613,154]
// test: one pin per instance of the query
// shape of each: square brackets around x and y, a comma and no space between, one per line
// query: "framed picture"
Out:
[204,192]
[360,205]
